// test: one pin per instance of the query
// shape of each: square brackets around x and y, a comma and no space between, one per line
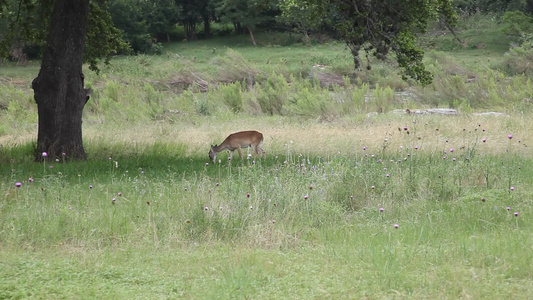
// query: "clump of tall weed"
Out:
[310,101]
[119,102]
[490,90]
[273,94]
[517,61]
[231,96]
[17,108]
[233,67]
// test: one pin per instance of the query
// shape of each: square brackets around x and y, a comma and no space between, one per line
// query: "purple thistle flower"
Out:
[120,193]
[416,147]
[451,149]
[508,208]
[30,180]
[206,164]
[512,188]
[63,154]
[51,167]
[45,154]
[405,128]
[483,199]
[516,214]
[388,175]
[91,186]
[248,195]
[206,208]
[306,197]
[510,136]
[381,209]
[372,187]
[18,184]
[484,140]
[364,148]
[351,196]
[396,226]
[453,159]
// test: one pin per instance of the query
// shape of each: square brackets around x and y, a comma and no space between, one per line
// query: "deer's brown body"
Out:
[237,141]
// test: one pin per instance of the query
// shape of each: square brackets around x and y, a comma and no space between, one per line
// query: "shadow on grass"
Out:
[157,161]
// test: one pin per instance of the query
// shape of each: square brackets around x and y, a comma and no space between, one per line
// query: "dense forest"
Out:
[145,24]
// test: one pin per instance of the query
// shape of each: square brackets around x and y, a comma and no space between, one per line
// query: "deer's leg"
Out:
[260,149]
[240,152]
[254,148]
[231,154]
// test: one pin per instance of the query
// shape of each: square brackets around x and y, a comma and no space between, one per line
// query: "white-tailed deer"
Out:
[238,140]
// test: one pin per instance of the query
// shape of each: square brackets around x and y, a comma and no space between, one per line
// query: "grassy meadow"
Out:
[355,200]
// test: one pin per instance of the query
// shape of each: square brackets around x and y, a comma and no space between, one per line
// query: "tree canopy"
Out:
[378,27]
[368,27]
[27,23]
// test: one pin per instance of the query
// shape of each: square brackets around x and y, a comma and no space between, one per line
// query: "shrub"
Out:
[231,96]
[518,60]
[273,94]
[233,67]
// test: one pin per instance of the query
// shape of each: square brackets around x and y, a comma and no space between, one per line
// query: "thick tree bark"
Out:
[58,89]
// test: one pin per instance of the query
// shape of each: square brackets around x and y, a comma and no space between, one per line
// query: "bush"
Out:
[272,94]
[233,67]
[518,60]
[516,23]
[231,96]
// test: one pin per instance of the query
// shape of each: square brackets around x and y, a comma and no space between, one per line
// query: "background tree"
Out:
[143,23]
[59,88]
[189,12]
[302,16]
[380,26]
[246,14]
[494,6]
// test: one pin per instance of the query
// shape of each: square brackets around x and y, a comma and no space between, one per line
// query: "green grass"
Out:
[145,217]
[285,227]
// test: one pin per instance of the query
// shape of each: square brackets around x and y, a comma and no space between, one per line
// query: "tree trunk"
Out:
[190,30]
[450,28]
[252,36]
[58,89]
[307,39]
[207,28]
